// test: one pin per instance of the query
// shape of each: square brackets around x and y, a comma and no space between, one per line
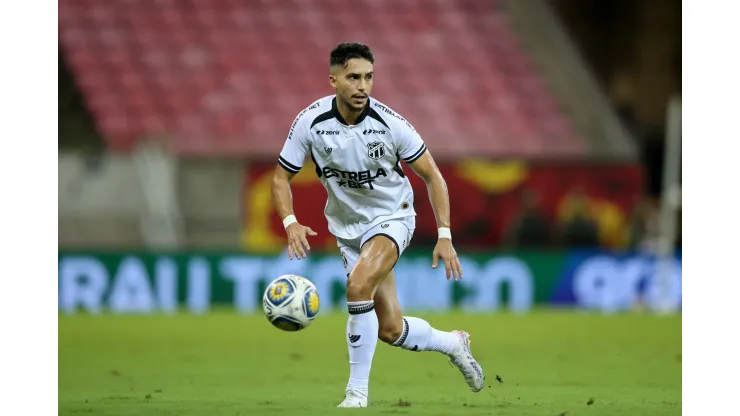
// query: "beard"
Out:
[355,106]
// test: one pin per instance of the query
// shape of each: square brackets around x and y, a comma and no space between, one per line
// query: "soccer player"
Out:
[357,144]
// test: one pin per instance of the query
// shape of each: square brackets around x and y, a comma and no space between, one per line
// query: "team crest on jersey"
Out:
[375,150]
[328,150]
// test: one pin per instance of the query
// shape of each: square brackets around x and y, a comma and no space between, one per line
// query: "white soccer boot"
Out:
[354,398]
[463,359]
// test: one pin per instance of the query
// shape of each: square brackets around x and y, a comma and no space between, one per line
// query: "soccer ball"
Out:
[291,302]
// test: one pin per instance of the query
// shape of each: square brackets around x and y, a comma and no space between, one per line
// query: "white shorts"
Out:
[400,230]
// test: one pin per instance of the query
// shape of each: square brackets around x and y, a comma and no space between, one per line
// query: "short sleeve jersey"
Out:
[359,165]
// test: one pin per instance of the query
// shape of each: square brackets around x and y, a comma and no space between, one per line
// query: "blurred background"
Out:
[556,125]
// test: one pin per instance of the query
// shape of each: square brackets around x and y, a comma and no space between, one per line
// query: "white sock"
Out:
[418,335]
[362,337]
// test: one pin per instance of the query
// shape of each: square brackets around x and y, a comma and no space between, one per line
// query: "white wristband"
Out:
[444,232]
[290,219]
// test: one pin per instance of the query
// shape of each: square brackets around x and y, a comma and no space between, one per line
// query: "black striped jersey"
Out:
[359,165]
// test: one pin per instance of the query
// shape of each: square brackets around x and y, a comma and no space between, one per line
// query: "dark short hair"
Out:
[348,50]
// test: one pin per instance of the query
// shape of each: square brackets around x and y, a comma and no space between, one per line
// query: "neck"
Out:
[349,114]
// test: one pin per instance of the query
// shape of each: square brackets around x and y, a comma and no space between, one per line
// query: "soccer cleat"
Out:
[354,398]
[463,359]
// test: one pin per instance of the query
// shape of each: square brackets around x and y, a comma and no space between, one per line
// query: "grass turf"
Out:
[549,362]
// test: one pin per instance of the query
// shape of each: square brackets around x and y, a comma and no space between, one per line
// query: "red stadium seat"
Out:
[229,76]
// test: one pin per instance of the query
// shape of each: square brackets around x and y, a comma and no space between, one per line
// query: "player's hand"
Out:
[444,250]
[297,242]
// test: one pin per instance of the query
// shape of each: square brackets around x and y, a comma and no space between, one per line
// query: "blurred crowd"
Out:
[578,227]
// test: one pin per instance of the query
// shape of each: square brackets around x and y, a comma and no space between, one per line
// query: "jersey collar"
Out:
[335,112]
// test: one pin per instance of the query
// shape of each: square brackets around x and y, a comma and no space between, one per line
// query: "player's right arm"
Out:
[291,160]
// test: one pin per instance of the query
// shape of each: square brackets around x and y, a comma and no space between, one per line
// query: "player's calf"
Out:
[390,330]
[418,335]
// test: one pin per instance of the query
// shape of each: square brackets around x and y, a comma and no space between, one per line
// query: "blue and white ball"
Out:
[291,302]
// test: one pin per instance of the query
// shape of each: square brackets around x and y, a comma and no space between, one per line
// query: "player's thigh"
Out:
[380,248]
[349,257]
[377,257]
[388,309]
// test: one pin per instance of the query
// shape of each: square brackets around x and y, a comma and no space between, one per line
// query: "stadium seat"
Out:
[229,76]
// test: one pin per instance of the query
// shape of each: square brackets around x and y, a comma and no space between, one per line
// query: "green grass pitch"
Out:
[549,362]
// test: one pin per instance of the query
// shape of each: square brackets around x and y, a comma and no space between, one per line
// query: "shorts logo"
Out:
[375,150]
[328,150]
[384,226]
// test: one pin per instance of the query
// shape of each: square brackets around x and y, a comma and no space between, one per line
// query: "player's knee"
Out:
[389,331]
[359,289]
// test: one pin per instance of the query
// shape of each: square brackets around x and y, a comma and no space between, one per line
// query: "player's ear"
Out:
[333,81]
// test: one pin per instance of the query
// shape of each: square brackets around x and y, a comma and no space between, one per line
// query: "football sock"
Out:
[362,337]
[418,335]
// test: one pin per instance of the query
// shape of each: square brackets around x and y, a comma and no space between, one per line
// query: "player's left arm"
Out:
[413,151]
[427,169]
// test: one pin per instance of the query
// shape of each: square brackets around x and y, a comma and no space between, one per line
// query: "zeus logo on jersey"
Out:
[356,180]
[327,132]
[371,131]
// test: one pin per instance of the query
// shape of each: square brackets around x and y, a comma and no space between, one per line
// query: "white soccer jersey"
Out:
[358,165]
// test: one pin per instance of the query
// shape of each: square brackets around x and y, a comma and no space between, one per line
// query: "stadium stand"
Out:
[227,77]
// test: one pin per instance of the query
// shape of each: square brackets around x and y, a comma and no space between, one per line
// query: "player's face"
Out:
[353,83]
